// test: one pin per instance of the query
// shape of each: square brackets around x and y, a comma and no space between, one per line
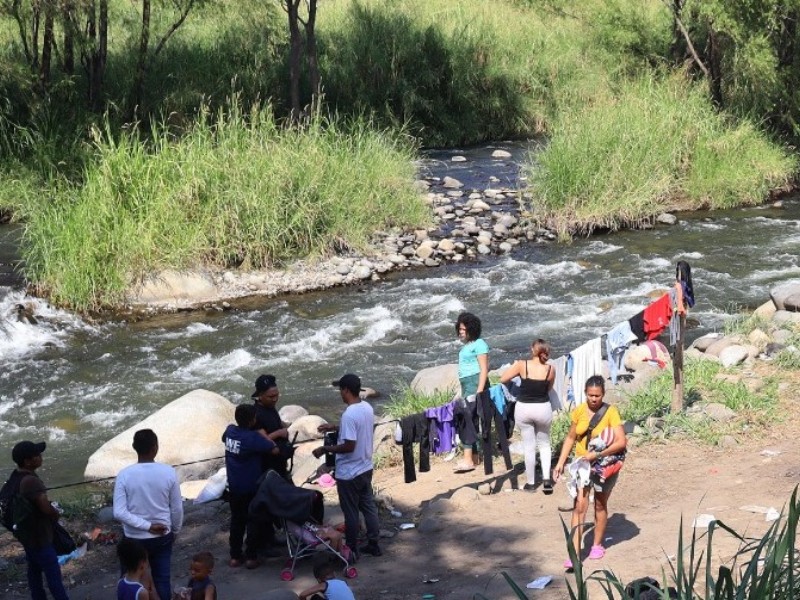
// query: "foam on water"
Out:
[210,367]
[107,419]
[191,330]
[599,247]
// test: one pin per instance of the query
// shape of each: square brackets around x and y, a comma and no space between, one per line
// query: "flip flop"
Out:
[463,468]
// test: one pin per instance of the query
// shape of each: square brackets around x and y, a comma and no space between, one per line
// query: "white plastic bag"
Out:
[214,488]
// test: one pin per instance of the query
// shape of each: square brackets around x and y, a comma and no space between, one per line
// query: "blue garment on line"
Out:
[617,341]
[498,396]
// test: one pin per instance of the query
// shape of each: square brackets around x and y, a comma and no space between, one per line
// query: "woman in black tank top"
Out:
[533,412]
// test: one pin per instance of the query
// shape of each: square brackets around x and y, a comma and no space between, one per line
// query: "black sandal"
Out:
[547,487]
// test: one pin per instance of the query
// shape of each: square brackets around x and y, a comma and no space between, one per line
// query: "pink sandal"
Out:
[568,565]
[597,553]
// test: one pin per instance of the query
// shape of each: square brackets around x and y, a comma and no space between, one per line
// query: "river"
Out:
[76,384]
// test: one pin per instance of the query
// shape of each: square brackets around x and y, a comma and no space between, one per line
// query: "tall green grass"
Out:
[657,144]
[234,190]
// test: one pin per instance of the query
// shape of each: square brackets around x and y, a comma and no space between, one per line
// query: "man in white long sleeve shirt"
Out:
[147,501]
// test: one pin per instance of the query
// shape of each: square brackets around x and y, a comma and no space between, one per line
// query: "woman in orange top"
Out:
[580,420]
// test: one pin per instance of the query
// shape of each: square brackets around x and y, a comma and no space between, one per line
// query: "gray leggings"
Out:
[534,419]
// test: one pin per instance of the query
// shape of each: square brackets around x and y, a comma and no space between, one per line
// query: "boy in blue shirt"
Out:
[244,451]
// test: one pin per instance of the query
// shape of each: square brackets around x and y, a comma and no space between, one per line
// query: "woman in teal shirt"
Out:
[473,369]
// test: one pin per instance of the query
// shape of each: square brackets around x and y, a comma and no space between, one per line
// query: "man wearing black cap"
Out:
[38,539]
[353,452]
[267,418]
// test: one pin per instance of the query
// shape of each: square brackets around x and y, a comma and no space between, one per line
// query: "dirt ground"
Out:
[510,530]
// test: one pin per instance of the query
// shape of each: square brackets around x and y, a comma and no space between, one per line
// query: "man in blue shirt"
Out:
[244,451]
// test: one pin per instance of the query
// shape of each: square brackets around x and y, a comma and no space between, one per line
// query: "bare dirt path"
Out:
[512,530]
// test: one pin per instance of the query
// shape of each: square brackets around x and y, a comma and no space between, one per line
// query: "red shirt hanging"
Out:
[657,316]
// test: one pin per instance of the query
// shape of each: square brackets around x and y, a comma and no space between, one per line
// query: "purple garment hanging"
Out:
[443,432]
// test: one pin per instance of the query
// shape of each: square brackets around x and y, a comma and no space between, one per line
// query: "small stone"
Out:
[455,194]
[490,192]
[407,251]
[386,534]
[446,245]
[501,154]
[480,206]
[484,249]
[485,489]
[362,272]
[432,262]
[500,230]
[458,158]
[452,183]
[424,251]
[505,247]
[727,442]
[718,412]
[228,277]
[343,269]
[397,259]
[420,234]
[507,220]
[667,219]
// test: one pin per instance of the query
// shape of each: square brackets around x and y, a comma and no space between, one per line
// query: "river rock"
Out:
[718,412]
[667,219]
[500,230]
[785,317]
[458,158]
[452,183]
[291,412]
[465,497]
[343,269]
[173,286]
[702,343]
[396,259]
[733,355]
[480,206]
[722,343]
[484,249]
[188,429]
[766,311]
[781,336]
[434,379]
[505,247]
[792,303]
[501,154]
[368,392]
[507,220]
[306,428]
[432,262]
[362,272]
[780,293]
[446,245]
[425,250]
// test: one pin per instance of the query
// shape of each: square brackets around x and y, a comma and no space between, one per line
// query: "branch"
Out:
[686,37]
[173,28]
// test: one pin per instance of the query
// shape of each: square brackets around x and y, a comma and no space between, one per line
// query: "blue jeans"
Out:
[44,561]
[159,553]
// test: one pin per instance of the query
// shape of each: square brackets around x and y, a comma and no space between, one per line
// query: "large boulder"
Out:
[717,347]
[189,429]
[637,357]
[291,412]
[765,311]
[172,286]
[434,379]
[792,303]
[306,428]
[780,293]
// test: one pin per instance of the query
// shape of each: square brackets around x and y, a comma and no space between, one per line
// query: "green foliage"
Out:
[762,569]
[406,401]
[236,189]
[704,381]
[743,323]
[621,160]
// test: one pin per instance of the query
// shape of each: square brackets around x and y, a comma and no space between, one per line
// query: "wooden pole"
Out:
[677,367]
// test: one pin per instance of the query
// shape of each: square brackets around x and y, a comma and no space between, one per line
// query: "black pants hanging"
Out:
[415,428]
[488,412]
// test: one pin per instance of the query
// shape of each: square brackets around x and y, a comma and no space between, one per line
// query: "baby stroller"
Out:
[301,512]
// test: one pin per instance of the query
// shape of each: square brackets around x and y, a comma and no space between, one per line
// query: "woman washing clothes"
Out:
[598,416]
[533,412]
[473,373]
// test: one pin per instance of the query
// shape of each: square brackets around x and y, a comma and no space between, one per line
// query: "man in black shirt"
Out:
[37,540]
[267,418]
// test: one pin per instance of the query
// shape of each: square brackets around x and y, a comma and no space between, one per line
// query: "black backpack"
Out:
[8,493]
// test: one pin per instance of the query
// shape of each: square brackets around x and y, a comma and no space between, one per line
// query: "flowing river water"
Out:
[76,384]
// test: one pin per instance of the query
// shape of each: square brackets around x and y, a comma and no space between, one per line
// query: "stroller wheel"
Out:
[351,572]
[287,575]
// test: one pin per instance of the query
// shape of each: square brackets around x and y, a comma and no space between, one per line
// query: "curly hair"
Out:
[471,323]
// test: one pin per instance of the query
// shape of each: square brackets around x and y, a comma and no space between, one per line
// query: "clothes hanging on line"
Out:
[587,361]
[491,418]
[442,427]
[637,326]
[559,391]
[655,347]
[675,321]
[415,429]
[618,339]
[656,317]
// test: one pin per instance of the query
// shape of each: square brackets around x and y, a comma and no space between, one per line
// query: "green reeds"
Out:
[236,190]
[656,145]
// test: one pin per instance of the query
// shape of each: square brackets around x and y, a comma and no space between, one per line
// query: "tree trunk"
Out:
[36,14]
[47,45]
[68,25]
[714,54]
[677,48]
[94,60]
[311,53]
[137,93]
[295,51]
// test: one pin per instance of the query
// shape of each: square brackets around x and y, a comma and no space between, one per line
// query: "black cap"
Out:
[348,382]
[263,383]
[26,449]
